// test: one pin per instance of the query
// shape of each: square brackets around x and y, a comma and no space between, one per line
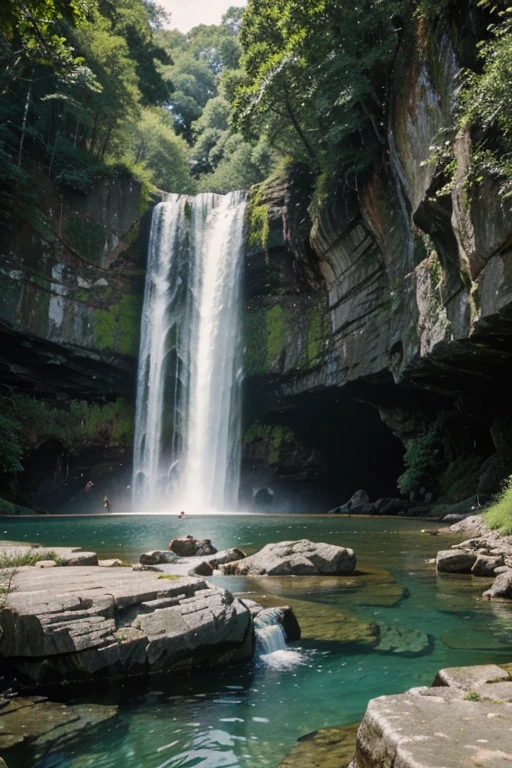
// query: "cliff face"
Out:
[72,279]
[72,271]
[413,310]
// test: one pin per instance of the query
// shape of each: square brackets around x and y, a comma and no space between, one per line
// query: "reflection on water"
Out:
[383,631]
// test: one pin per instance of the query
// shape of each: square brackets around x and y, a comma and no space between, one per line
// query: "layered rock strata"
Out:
[112,622]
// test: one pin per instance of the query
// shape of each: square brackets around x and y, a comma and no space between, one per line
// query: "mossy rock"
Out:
[324,623]
[326,748]
[403,641]
[374,587]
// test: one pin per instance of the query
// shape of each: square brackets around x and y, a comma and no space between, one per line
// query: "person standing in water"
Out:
[181,514]
[106,503]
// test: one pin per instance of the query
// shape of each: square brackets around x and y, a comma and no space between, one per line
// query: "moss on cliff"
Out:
[258,219]
[274,439]
[118,328]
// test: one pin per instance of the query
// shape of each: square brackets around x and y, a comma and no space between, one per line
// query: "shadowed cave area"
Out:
[344,447]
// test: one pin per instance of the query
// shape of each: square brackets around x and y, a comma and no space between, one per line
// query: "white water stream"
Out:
[187,434]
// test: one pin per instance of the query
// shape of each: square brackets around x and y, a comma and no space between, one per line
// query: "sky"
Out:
[186,14]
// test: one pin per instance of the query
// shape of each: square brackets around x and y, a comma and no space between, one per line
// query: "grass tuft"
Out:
[18,559]
[499,515]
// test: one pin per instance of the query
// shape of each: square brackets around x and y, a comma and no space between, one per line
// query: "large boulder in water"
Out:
[189,547]
[296,558]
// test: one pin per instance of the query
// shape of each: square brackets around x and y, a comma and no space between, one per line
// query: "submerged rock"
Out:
[297,558]
[326,748]
[25,720]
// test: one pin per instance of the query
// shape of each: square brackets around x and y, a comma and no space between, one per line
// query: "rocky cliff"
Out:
[384,311]
[72,268]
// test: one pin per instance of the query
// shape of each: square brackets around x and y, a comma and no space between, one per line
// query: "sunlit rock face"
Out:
[398,295]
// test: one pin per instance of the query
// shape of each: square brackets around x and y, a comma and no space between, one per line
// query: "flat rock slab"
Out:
[108,622]
[297,558]
[464,720]
[434,728]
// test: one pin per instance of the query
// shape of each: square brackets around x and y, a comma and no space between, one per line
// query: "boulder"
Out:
[455,561]
[113,622]
[501,588]
[79,558]
[434,727]
[298,558]
[189,547]
[486,566]
[359,498]
[157,556]
[202,569]
[391,506]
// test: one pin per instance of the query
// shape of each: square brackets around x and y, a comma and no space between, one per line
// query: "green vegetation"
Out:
[33,556]
[276,328]
[275,438]
[499,515]
[460,480]
[119,326]
[423,460]
[472,696]
[28,423]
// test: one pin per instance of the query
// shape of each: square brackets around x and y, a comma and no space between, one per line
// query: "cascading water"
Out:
[190,362]
[270,636]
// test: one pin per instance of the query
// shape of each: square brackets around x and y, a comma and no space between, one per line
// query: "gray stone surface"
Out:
[112,622]
[434,728]
[455,561]
[502,587]
[301,557]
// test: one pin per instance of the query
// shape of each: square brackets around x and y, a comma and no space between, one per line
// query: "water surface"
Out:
[251,715]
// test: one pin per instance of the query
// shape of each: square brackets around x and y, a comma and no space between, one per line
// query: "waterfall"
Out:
[187,432]
[271,646]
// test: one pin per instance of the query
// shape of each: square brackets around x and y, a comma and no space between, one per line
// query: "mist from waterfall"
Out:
[188,430]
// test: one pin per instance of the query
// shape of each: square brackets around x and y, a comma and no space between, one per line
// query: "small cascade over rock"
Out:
[271,648]
[269,631]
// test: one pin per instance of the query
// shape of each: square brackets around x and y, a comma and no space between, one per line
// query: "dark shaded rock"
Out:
[290,624]
[263,498]
[296,558]
[202,569]
[390,506]
[455,561]
[359,498]
[189,547]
